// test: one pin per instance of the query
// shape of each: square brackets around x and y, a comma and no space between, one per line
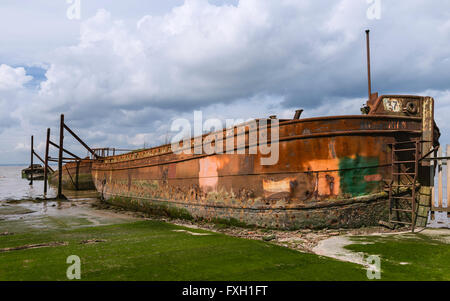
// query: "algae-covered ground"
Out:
[154,250]
[409,256]
[37,238]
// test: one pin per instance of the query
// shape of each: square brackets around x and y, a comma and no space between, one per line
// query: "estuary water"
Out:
[13,187]
[20,214]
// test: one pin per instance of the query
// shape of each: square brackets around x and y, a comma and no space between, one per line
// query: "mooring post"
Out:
[60,157]
[368,63]
[76,174]
[31,160]
[47,145]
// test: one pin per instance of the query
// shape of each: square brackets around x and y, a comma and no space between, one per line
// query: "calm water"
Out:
[13,187]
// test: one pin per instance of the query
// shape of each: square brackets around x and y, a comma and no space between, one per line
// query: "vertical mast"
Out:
[368,63]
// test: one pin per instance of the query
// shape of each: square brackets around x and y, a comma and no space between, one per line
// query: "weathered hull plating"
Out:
[75,176]
[331,172]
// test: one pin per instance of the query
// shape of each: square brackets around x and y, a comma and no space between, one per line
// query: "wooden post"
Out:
[31,160]
[440,192]
[47,145]
[448,176]
[60,157]
[432,174]
[76,174]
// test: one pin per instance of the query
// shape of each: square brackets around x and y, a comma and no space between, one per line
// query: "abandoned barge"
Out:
[76,175]
[339,171]
[34,171]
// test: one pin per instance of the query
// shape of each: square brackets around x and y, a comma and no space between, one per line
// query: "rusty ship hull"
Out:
[331,172]
[76,175]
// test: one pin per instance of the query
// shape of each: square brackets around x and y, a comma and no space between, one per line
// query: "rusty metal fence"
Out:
[441,191]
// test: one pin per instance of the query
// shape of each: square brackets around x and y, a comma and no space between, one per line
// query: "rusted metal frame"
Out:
[413,204]
[448,176]
[60,156]
[31,160]
[440,184]
[56,160]
[433,165]
[68,159]
[437,158]
[68,172]
[64,150]
[42,160]
[113,150]
[79,140]
[46,167]
[77,172]
[122,150]
[298,113]
[288,138]
[425,157]
[441,209]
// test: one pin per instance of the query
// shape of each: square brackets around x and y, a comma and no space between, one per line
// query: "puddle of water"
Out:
[30,216]
[19,215]
[13,187]
[334,247]
[192,233]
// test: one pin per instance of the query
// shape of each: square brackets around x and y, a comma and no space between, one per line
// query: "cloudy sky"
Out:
[125,69]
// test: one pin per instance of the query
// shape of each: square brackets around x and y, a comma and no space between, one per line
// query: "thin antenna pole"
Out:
[368,62]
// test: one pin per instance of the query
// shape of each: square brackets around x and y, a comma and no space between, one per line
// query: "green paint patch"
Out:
[152,250]
[353,172]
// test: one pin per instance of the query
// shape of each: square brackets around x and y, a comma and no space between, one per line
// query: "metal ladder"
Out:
[406,154]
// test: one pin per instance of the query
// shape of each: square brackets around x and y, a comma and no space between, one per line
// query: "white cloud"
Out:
[13,78]
[125,78]
[198,53]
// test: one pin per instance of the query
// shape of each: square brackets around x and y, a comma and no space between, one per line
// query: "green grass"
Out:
[151,250]
[427,257]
